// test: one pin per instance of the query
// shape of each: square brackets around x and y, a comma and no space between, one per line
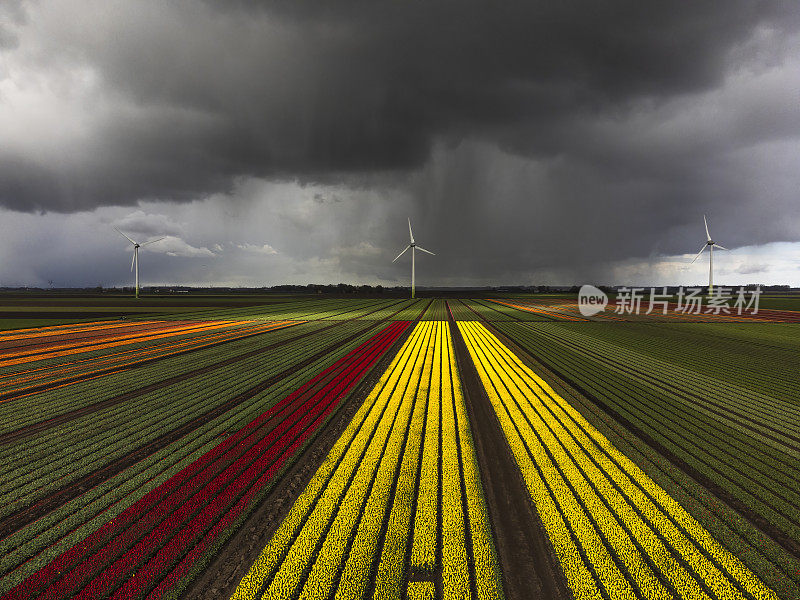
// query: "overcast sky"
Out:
[530,142]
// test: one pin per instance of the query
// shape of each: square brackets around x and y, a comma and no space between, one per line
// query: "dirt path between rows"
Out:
[527,561]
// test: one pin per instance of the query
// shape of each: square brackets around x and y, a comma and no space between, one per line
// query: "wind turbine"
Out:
[135,258]
[414,247]
[710,244]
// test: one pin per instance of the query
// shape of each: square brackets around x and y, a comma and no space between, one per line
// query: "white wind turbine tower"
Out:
[710,244]
[135,258]
[414,247]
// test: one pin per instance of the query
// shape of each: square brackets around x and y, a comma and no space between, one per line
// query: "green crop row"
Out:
[37,544]
[92,348]
[46,463]
[43,405]
[460,311]
[771,419]
[413,310]
[437,311]
[390,309]
[39,371]
[764,357]
[762,478]
[519,314]
[731,457]
[486,312]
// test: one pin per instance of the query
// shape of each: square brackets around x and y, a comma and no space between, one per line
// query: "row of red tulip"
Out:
[190,508]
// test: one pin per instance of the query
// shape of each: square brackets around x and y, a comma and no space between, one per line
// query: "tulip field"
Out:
[406,461]
[367,447]
[632,536]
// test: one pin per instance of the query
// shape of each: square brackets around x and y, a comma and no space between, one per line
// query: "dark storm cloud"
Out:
[189,97]
[11,14]
[289,140]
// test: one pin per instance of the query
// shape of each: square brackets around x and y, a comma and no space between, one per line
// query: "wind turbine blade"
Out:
[133,258]
[410,233]
[699,253]
[708,235]
[720,247]
[125,236]
[428,251]
[403,252]
[154,241]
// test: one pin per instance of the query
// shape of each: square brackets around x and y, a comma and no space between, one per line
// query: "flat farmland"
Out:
[318,447]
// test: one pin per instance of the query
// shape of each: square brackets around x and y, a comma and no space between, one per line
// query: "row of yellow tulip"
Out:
[423,549]
[389,579]
[612,527]
[421,590]
[455,570]
[389,482]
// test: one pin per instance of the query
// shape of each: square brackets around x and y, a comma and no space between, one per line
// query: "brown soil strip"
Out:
[225,571]
[528,563]
[16,521]
[786,542]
